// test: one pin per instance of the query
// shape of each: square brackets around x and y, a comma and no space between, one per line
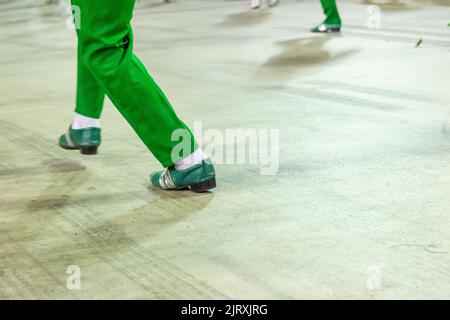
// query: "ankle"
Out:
[82,122]
[191,160]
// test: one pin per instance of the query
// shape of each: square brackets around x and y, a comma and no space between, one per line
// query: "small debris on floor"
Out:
[419,42]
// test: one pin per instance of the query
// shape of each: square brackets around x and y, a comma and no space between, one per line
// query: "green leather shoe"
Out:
[325,28]
[86,140]
[199,178]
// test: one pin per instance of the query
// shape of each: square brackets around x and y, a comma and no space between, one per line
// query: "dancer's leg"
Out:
[106,42]
[331,12]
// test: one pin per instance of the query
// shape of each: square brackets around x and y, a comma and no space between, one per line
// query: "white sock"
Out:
[191,160]
[81,122]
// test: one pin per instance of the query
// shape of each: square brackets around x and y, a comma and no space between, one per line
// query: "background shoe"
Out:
[198,178]
[273,3]
[86,140]
[255,4]
[325,28]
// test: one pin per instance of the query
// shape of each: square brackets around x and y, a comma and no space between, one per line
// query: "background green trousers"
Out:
[331,12]
[107,65]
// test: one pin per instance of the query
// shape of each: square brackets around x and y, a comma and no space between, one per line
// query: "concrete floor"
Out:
[360,207]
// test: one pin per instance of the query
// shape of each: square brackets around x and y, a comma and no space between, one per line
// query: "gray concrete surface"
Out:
[360,207]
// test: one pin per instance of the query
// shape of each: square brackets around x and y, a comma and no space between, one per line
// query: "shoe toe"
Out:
[154,178]
[63,141]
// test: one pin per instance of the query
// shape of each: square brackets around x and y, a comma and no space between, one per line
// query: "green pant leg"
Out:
[107,41]
[331,12]
[90,96]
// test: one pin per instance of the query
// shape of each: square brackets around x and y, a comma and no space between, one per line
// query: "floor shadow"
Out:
[392,4]
[443,3]
[169,208]
[245,18]
[301,52]
[301,56]
[157,4]
[66,177]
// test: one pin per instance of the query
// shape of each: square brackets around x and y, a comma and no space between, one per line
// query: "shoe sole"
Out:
[84,150]
[204,186]
[88,150]
[327,31]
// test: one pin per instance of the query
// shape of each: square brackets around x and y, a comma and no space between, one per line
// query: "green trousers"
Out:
[331,12]
[107,65]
